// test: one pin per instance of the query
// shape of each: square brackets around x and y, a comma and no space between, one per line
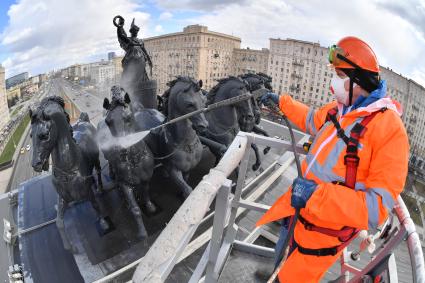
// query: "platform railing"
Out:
[167,250]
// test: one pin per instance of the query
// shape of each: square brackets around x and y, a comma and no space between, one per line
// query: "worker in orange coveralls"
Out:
[354,170]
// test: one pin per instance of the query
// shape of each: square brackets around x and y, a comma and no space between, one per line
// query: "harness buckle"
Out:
[351,160]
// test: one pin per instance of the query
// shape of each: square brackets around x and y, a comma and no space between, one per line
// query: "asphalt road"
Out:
[85,101]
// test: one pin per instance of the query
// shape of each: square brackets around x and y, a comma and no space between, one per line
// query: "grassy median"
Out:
[9,149]
[16,110]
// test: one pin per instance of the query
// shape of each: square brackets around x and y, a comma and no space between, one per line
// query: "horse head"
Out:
[46,122]
[267,80]
[231,87]
[185,96]
[119,117]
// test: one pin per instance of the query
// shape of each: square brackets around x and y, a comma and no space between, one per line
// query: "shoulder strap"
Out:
[332,116]
[351,158]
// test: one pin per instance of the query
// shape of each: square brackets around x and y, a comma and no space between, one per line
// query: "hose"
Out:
[291,229]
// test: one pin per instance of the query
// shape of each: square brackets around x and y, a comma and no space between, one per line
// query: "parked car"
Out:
[22,150]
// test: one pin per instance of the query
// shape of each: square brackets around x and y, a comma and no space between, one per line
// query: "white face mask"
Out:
[338,90]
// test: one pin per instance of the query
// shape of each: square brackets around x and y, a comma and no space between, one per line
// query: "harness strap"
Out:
[332,116]
[343,234]
[351,158]
[318,252]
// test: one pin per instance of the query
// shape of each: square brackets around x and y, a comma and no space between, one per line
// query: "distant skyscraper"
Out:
[111,55]
[20,78]
[4,110]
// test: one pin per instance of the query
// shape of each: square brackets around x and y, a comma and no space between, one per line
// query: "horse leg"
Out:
[60,224]
[258,130]
[146,199]
[99,175]
[177,177]
[111,171]
[257,157]
[135,210]
[101,217]
[216,148]
[186,176]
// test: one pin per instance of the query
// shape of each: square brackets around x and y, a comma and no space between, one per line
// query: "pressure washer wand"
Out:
[210,107]
[136,137]
[290,234]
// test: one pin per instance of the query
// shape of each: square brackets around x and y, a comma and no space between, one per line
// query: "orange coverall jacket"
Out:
[381,174]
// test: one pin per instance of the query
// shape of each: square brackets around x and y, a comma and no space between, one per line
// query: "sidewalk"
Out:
[5,176]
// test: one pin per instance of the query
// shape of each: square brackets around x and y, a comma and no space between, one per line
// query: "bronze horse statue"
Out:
[224,123]
[84,134]
[180,149]
[72,170]
[132,165]
[258,82]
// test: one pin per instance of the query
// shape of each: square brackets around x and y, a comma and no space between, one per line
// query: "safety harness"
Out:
[351,161]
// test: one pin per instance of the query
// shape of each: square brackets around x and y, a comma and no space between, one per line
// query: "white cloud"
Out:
[50,34]
[159,29]
[165,16]
[203,5]
[397,40]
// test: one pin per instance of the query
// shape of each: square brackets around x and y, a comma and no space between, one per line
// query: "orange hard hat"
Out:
[356,51]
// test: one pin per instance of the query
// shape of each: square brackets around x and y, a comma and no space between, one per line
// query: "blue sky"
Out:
[4,7]
[40,35]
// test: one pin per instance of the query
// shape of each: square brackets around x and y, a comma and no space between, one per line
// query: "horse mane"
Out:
[39,113]
[212,93]
[251,75]
[55,99]
[265,76]
[166,95]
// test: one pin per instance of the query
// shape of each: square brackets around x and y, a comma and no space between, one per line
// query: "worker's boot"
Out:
[263,273]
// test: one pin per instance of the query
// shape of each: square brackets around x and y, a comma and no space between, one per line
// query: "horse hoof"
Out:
[186,193]
[104,225]
[255,167]
[266,150]
[150,207]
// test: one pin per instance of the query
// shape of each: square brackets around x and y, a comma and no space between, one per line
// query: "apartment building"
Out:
[249,61]
[195,52]
[4,109]
[300,68]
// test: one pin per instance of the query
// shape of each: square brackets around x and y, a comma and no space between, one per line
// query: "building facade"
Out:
[4,109]
[111,55]
[195,52]
[250,61]
[301,69]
